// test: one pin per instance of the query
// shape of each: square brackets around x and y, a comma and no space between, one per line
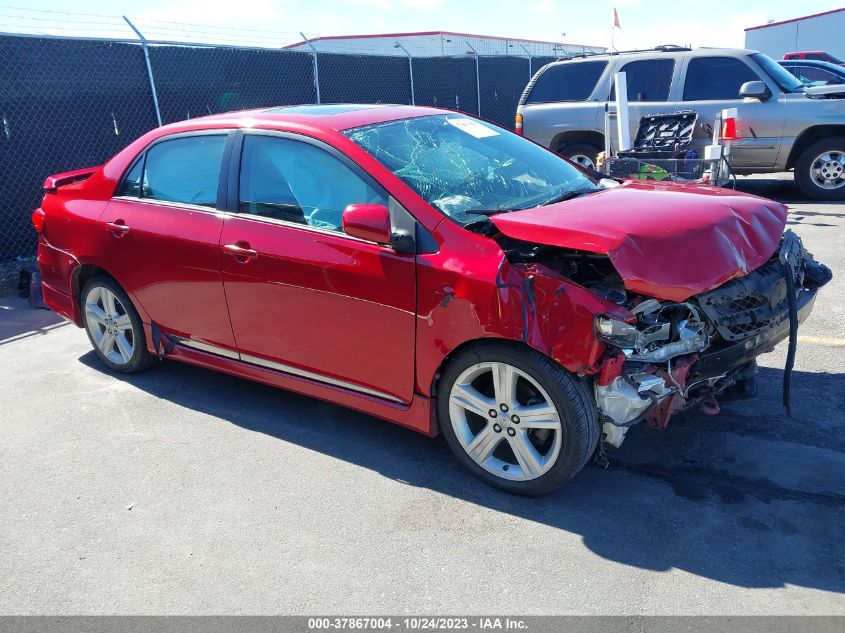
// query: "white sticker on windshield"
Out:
[473,128]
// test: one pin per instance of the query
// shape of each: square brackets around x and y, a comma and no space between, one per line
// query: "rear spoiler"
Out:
[51,183]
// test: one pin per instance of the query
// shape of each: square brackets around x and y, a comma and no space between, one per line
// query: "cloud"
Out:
[422,4]
[211,11]
[544,7]
[391,5]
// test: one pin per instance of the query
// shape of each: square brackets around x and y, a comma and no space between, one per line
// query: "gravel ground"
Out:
[181,491]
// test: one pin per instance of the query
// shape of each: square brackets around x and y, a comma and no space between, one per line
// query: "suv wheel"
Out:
[581,153]
[820,169]
[516,419]
[114,326]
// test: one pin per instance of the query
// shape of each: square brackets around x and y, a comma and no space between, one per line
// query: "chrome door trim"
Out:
[302,373]
[280,367]
[206,347]
[172,205]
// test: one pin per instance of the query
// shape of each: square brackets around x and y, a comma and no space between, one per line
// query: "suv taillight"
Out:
[38,219]
[729,131]
[518,123]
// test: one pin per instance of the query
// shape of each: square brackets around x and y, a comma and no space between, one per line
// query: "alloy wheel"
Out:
[828,170]
[583,160]
[505,421]
[109,325]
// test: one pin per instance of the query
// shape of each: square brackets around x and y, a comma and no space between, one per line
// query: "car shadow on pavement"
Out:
[781,189]
[18,320]
[750,498]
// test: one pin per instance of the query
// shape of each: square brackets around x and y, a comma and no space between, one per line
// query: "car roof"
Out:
[657,53]
[818,63]
[335,116]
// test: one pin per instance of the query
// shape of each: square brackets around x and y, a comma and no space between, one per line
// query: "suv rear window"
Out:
[716,78]
[566,82]
[647,80]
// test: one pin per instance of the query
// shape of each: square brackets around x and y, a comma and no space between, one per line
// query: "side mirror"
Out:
[754,90]
[369,222]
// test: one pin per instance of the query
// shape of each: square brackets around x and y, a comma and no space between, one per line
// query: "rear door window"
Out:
[647,80]
[716,78]
[184,170]
[567,82]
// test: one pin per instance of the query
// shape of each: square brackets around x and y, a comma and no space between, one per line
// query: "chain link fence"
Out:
[68,103]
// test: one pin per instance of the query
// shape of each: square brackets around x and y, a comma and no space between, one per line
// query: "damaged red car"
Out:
[427,268]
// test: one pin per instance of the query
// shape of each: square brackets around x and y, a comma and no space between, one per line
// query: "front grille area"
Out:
[747,305]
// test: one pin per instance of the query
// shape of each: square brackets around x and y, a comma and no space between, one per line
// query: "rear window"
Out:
[716,78]
[647,80]
[184,170]
[566,82]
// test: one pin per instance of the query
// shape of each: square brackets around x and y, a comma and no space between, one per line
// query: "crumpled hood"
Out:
[668,241]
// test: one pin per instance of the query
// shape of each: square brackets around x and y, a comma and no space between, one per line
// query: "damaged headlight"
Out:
[660,332]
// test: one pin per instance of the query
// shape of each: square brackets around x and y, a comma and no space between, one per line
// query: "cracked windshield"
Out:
[469,169]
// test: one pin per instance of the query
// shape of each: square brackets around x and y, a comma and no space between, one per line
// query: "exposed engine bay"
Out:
[664,356]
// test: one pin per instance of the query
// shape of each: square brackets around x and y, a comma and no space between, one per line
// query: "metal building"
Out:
[817,32]
[441,43]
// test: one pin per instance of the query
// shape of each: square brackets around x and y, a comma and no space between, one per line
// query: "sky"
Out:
[644,23]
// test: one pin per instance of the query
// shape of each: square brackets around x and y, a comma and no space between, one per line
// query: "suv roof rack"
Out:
[662,48]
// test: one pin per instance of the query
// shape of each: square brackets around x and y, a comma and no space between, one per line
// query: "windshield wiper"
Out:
[567,195]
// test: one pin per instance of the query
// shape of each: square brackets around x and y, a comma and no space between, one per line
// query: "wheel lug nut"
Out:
[511,431]
[492,413]
[497,428]
[503,407]
[515,419]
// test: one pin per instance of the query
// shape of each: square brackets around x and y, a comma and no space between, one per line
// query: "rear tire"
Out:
[114,326]
[583,154]
[529,442]
[820,169]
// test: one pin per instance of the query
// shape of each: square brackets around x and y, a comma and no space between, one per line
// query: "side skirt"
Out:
[418,415]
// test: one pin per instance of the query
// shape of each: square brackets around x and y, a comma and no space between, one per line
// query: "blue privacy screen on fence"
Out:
[70,103]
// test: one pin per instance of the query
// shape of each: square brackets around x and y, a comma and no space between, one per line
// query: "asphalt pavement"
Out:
[182,491]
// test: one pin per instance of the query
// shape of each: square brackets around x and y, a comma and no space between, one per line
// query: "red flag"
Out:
[616,19]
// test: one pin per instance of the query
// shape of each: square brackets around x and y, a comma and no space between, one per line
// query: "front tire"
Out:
[114,326]
[515,418]
[820,169]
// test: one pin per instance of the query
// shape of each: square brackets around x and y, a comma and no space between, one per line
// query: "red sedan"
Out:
[427,268]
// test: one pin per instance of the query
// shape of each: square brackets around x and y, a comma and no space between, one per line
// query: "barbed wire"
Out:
[27,20]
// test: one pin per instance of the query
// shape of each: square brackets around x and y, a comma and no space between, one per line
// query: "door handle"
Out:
[117,228]
[240,251]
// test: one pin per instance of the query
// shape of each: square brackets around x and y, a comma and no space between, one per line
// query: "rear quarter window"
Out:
[566,82]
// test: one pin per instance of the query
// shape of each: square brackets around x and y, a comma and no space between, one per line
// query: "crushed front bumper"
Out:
[750,315]
[745,318]
[735,354]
